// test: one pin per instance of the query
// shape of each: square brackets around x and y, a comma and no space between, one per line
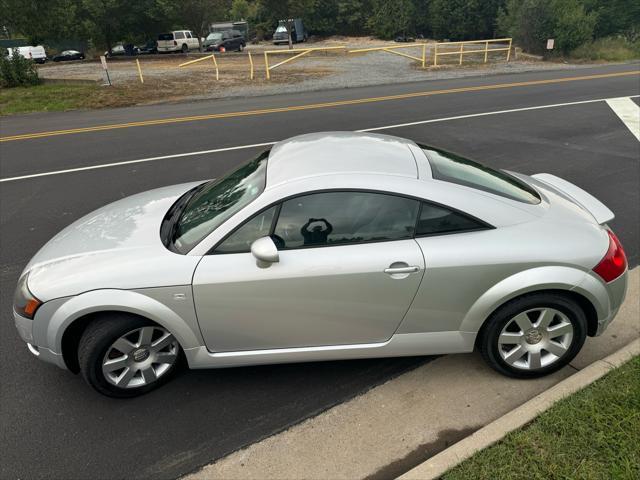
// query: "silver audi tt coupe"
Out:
[329,246]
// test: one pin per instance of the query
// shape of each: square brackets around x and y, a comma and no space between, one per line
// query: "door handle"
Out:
[397,270]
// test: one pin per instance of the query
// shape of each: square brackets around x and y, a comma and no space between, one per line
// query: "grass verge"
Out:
[612,49]
[49,98]
[593,434]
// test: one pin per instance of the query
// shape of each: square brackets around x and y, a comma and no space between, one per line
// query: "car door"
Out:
[463,260]
[227,41]
[193,41]
[348,270]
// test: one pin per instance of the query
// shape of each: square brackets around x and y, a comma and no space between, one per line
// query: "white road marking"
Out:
[628,111]
[129,162]
[256,145]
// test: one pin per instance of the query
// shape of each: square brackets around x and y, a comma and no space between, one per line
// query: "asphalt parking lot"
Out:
[54,426]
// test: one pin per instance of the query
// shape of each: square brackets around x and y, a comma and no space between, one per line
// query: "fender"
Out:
[532,280]
[123,301]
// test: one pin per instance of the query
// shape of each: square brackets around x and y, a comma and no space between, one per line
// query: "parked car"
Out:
[298,32]
[404,39]
[230,40]
[329,246]
[37,54]
[177,41]
[123,50]
[68,55]
[149,47]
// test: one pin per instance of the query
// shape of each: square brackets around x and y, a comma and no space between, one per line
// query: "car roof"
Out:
[339,153]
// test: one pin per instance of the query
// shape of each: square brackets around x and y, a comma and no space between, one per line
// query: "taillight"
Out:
[614,262]
[175,43]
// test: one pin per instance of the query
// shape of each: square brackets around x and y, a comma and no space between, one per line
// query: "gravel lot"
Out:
[317,71]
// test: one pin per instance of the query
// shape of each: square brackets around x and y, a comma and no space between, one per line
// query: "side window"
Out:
[187,34]
[338,218]
[240,241]
[435,219]
[179,35]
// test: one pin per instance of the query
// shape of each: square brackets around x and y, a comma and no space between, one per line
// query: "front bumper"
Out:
[35,343]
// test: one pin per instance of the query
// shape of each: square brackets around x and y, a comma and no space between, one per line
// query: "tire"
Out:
[518,349]
[98,352]
[185,48]
[240,47]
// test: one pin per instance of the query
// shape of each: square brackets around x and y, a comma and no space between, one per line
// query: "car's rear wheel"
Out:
[533,335]
[122,355]
[185,48]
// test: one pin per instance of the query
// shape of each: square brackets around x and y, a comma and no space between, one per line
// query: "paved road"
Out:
[55,426]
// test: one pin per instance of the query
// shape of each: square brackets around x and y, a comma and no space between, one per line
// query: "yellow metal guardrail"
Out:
[460,51]
[215,63]
[392,49]
[139,71]
[201,59]
[302,52]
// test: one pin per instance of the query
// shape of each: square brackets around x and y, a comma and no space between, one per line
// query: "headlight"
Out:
[24,302]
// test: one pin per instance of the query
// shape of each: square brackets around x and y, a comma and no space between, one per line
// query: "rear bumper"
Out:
[616,291]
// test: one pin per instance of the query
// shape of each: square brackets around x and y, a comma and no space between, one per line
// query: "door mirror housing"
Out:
[265,252]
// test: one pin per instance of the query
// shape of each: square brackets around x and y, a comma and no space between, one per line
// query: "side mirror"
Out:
[265,252]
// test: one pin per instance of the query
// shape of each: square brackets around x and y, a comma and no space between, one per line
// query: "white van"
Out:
[177,41]
[37,54]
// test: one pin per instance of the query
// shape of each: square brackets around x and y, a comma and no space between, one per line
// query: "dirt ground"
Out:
[165,80]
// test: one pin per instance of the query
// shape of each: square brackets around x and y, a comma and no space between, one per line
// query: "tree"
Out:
[391,18]
[239,10]
[615,17]
[532,22]
[105,19]
[41,21]
[464,19]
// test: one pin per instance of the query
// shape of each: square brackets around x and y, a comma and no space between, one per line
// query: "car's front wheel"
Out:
[123,355]
[533,335]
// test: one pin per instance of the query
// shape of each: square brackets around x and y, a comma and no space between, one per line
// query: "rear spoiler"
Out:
[587,201]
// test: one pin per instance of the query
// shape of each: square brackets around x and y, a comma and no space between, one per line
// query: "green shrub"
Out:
[17,71]
[532,22]
[608,48]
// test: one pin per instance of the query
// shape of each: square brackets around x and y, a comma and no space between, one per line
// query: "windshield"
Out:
[455,169]
[165,36]
[281,29]
[214,36]
[216,201]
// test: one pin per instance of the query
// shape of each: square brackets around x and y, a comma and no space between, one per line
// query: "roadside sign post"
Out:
[103,61]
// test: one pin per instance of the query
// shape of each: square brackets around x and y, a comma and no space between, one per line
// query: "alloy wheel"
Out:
[140,357]
[535,338]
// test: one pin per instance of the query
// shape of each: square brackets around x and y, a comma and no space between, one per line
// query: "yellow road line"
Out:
[312,106]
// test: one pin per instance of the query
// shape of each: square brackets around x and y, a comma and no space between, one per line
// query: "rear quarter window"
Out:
[452,168]
[438,220]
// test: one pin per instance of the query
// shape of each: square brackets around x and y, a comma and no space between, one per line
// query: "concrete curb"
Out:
[437,465]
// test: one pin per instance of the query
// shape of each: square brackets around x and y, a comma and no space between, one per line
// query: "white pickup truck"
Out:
[177,41]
